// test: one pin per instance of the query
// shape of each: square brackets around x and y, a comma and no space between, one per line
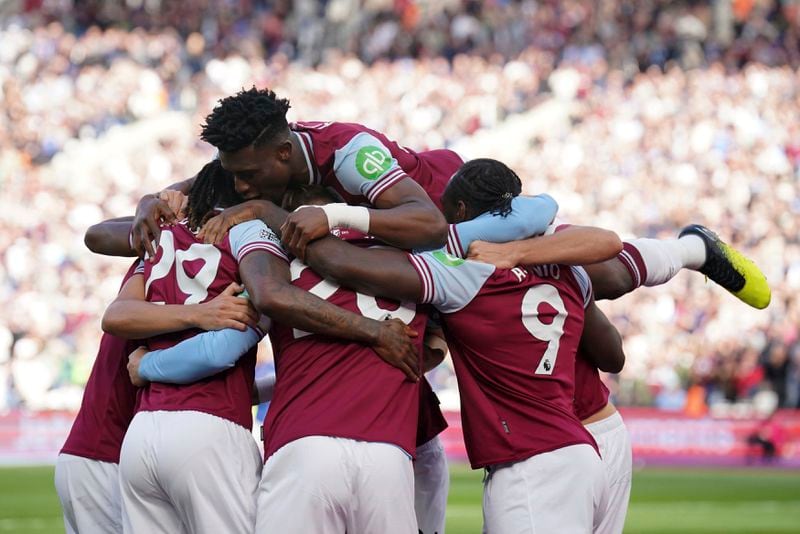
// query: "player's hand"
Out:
[177,202]
[226,310]
[395,346]
[302,227]
[499,255]
[134,359]
[216,227]
[151,212]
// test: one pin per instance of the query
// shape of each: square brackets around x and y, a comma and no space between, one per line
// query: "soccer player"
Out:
[721,263]
[87,470]
[207,422]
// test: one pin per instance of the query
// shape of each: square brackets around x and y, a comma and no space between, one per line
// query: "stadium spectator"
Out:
[637,116]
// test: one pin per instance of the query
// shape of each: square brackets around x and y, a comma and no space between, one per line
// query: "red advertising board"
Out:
[659,437]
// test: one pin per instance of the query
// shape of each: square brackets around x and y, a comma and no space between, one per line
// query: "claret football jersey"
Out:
[188,271]
[513,335]
[360,163]
[109,401]
[334,387]
[591,395]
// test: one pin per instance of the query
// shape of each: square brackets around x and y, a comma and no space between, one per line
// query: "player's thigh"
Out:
[209,468]
[384,490]
[89,494]
[431,485]
[615,447]
[306,486]
[557,491]
[145,505]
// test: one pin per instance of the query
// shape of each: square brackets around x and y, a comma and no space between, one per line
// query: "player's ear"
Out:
[461,211]
[284,151]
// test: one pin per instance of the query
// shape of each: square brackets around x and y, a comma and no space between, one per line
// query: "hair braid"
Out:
[485,185]
[213,187]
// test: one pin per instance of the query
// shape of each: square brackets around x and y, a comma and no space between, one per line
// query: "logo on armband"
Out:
[446,259]
[372,161]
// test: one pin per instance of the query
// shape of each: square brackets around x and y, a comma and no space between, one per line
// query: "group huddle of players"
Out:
[365,262]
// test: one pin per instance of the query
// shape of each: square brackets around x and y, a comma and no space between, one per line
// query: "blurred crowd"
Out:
[638,116]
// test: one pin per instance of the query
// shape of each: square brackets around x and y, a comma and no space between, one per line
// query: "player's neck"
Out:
[297,163]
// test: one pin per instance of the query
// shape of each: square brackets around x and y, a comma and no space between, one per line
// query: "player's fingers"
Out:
[165,212]
[232,289]
[136,241]
[407,370]
[237,325]
[410,332]
[148,242]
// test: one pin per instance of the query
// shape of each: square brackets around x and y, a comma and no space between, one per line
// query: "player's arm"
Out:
[601,343]
[110,238]
[573,245]
[529,216]
[403,214]
[267,279]
[435,347]
[200,356]
[130,316]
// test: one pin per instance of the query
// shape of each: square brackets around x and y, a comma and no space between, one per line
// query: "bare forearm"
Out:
[300,309]
[413,225]
[138,319]
[110,238]
[601,342]
[576,245]
[380,272]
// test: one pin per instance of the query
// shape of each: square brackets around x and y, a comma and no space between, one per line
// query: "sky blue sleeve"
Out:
[530,216]
[200,356]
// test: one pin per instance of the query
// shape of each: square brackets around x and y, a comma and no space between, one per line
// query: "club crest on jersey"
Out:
[372,161]
[446,259]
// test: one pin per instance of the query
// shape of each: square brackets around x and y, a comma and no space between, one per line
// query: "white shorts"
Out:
[329,485]
[615,445]
[188,472]
[431,484]
[561,491]
[89,494]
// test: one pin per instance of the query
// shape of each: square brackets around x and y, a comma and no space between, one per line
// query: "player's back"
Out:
[328,144]
[513,334]
[188,271]
[109,401]
[591,395]
[333,387]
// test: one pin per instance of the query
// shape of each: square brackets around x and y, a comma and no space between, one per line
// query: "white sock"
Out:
[693,251]
[664,258]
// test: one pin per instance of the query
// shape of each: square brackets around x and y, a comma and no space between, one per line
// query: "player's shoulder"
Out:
[254,229]
[449,282]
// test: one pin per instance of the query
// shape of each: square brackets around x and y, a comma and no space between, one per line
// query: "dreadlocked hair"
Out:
[485,185]
[212,187]
[250,117]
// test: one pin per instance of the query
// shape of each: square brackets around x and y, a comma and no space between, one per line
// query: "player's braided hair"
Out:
[212,187]
[250,117]
[485,185]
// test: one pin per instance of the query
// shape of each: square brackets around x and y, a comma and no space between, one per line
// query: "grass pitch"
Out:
[664,501]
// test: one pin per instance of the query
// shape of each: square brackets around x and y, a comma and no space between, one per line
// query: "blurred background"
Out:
[638,116]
